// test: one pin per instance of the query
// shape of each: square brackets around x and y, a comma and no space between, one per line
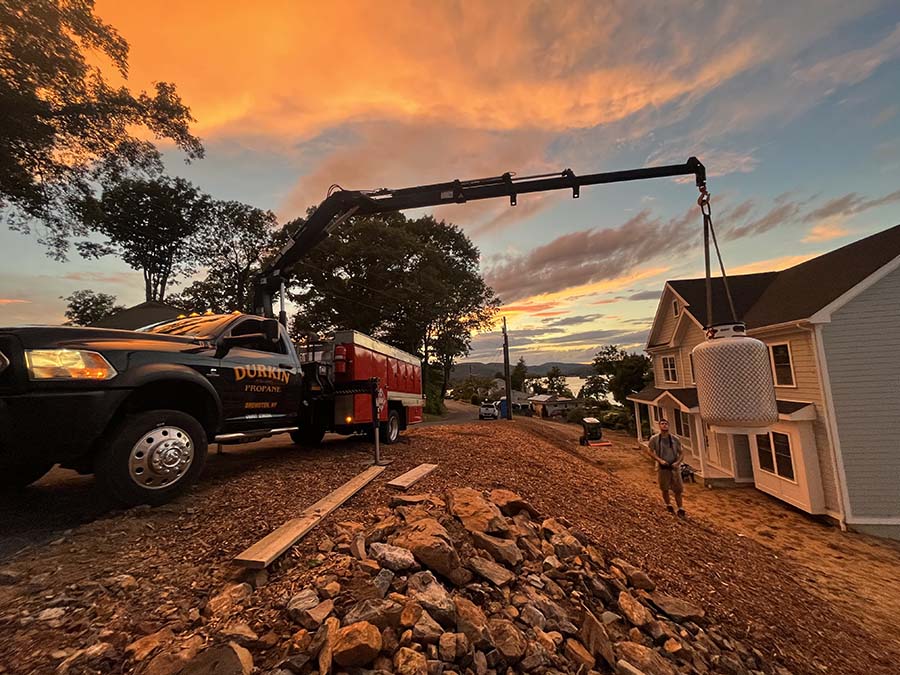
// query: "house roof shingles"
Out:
[771,298]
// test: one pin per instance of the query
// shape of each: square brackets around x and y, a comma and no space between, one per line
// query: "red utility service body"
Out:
[360,357]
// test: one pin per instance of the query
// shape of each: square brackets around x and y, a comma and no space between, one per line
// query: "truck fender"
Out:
[151,373]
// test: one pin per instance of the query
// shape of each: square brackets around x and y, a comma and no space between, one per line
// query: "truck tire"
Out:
[308,436]
[151,457]
[390,430]
[14,476]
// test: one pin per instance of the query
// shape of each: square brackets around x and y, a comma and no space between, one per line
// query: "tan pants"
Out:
[670,479]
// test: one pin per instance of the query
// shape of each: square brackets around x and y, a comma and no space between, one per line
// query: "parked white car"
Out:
[488,411]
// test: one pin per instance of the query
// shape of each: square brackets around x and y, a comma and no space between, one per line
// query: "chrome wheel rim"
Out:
[161,457]
[393,428]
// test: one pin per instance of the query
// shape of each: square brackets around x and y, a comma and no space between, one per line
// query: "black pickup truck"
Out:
[137,408]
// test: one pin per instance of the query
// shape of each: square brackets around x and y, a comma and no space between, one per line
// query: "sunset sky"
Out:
[794,107]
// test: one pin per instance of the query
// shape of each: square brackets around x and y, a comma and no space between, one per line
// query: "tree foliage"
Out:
[414,283]
[152,225]
[65,128]
[84,307]
[518,374]
[230,244]
[622,373]
[555,383]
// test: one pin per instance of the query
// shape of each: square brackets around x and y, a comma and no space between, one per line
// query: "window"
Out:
[251,326]
[676,310]
[670,373]
[774,452]
[691,359]
[682,424]
[782,368]
[656,414]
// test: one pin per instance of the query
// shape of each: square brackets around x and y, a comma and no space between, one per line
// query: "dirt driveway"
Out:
[178,556]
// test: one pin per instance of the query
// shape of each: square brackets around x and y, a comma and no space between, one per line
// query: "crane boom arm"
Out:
[342,204]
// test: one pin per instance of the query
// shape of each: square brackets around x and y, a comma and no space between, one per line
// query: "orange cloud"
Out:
[286,68]
[13,301]
[772,264]
[825,232]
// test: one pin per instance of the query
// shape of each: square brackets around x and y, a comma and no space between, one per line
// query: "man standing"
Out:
[667,452]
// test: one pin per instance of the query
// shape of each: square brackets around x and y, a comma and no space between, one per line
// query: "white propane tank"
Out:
[734,379]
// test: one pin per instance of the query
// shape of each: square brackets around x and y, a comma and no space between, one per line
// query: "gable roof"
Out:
[797,292]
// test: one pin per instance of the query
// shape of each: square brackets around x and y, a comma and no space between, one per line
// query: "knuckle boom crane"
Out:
[341,204]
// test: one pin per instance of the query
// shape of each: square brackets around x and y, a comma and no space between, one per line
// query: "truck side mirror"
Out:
[225,344]
[270,328]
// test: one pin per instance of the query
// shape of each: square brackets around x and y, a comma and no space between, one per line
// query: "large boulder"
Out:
[677,609]
[394,558]
[472,622]
[496,574]
[510,503]
[502,550]
[357,644]
[301,603]
[432,546]
[431,595]
[633,610]
[409,662]
[508,640]
[230,659]
[596,639]
[382,613]
[645,659]
[475,512]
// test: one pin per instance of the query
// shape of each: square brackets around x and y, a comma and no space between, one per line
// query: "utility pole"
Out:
[506,371]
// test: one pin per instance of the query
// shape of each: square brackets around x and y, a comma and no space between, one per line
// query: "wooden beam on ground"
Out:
[413,476]
[264,552]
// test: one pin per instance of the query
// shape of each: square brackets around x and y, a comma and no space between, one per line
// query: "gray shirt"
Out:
[668,448]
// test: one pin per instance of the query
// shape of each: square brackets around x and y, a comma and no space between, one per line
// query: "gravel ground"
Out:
[179,555]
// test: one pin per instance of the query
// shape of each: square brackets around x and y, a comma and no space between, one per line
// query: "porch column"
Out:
[637,421]
[701,442]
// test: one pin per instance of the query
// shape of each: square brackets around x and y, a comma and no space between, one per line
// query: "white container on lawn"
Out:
[734,379]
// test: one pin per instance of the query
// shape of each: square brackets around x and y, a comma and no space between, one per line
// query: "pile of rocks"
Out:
[483,585]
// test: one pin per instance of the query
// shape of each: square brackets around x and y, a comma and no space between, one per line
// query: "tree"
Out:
[151,224]
[474,386]
[414,283]
[65,128]
[518,375]
[84,307]
[555,383]
[230,244]
[623,373]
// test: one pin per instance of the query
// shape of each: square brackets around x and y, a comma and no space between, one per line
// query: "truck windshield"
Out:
[193,326]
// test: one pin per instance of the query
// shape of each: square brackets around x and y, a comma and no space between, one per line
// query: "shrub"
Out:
[475,400]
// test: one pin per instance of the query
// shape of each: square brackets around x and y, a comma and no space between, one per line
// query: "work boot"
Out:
[669,508]
[681,513]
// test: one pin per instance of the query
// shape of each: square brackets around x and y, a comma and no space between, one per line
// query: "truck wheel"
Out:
[151,457]
[390,430]
[21,475]
[310,435]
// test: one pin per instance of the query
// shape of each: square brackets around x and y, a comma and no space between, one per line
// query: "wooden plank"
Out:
[412,476]
[264,552]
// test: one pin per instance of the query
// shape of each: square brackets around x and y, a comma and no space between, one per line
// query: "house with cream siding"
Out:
[832,326]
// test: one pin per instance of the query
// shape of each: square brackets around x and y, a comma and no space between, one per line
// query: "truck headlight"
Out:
[67,364]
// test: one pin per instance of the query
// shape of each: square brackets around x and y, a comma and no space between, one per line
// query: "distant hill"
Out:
[462,370]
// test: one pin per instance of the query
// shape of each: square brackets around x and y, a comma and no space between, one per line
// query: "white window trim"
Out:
[790,358]
[674,368]
[790,438]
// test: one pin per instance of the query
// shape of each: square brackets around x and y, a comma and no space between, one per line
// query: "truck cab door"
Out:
[260,382]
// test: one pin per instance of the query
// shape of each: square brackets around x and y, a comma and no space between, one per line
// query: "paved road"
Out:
[457,413]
